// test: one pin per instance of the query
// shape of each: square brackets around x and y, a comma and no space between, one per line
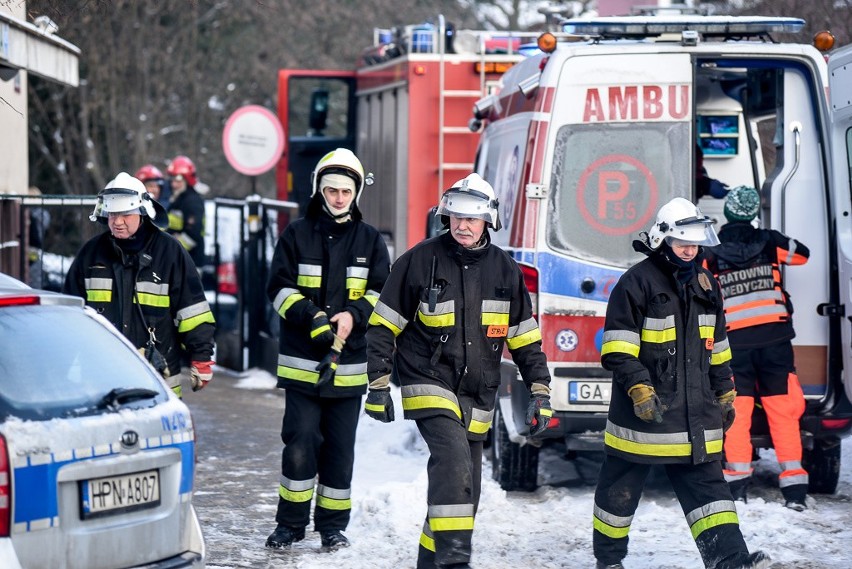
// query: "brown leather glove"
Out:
[726,402]
[646,404]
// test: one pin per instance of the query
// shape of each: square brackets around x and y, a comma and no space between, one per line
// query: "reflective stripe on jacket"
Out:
[675,341]
[322,265]
[448,348]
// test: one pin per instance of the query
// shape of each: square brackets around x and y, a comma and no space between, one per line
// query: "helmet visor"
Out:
[117,200]
[695,230]
[469,203]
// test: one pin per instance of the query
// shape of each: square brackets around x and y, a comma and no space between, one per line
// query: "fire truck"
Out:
[404,110]
[584,137]
[584,141]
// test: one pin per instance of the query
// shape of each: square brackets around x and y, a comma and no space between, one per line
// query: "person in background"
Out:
[760,329]
[450,305]
[143,282]
[327,270]
[39,220]
[704,184]
[154,181]
[672,393]
[186,211]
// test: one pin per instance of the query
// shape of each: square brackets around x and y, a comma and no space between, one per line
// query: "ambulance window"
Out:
[608,183]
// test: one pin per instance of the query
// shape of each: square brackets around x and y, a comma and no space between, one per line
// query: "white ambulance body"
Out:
[584,144]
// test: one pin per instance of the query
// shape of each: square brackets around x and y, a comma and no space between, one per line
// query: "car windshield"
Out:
[57,361]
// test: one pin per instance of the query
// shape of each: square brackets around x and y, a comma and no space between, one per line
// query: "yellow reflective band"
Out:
[437,320]
[712,521]
[297,374]
[713,446]
[525,339]
[333,504]
[451,524]
[378,320]
[290,301]
[372,299]
[495,319]
[195,321]
[178,391]
[620,347]
[429,402]
[355,282]
[721,357]
[647,449]
[659,336]
[546,412]
[309,281]
[375,408]
[153,300]
[350,380]
[320,330]
[291,496]
[706,331]
[427,542]
[99,295]
[176,221]
[608,530]
[479,427]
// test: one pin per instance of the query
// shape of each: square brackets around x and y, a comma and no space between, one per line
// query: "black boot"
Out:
[756,560]
[739,489]
[333,539]
[284,536]
[602,565]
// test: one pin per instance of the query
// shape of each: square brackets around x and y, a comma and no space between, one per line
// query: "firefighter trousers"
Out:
[455,477]
[770,373]
[704,497]
[319,439]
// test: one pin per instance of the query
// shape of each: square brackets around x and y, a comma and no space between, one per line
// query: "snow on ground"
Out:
[551,528]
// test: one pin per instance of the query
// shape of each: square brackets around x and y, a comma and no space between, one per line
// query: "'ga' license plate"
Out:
[117,494]
[589,392]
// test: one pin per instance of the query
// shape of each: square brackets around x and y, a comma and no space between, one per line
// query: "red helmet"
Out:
[148,173]
[183,166]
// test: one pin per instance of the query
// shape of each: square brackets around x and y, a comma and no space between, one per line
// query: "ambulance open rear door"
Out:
[840,107]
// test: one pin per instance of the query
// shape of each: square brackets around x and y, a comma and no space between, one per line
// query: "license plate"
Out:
[118,494]
[589,392]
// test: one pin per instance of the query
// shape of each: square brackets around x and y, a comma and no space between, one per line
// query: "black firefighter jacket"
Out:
[670,336]
[161,278]
[322,265]
[448,353]
[186,223]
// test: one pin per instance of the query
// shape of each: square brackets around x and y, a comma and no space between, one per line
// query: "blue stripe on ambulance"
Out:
[563,276]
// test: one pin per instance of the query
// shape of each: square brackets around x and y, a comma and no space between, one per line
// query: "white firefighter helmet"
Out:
[471,197]
[682,220]
[342,169]
[126,194]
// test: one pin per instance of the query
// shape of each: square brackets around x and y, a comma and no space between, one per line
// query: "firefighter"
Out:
[664,342]
[186,210]
[760,329]
[145,284]
[153,179]
[327,271]
[449,306]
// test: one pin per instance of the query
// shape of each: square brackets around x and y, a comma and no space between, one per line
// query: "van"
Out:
[585,140]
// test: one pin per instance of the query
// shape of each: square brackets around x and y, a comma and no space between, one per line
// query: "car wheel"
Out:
[823,465]
[514,466]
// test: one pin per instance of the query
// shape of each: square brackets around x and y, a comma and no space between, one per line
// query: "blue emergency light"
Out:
[649,26]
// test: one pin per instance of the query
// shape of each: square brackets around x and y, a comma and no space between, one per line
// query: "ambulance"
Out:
[586,139]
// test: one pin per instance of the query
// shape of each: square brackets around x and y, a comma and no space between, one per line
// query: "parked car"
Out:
[97,455]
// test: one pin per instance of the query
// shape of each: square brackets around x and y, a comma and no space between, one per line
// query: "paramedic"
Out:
[326,274]
[143,282]
[759,313]
[705,186]
[664,341]
[186,210]
[449,306]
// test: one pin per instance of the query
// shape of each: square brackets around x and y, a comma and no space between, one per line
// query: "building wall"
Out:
[14,113]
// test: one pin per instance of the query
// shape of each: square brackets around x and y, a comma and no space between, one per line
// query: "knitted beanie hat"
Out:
[742,204]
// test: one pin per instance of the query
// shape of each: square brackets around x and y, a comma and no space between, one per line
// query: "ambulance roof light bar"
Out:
[651,26]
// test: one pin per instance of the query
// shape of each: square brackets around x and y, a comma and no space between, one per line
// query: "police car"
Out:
[97,456]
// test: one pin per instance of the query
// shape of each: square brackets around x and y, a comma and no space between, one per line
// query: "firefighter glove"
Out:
[200,373]
[328,365]
[321,329]
[379,404]
[646,404]
[539,411]
[726,401]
